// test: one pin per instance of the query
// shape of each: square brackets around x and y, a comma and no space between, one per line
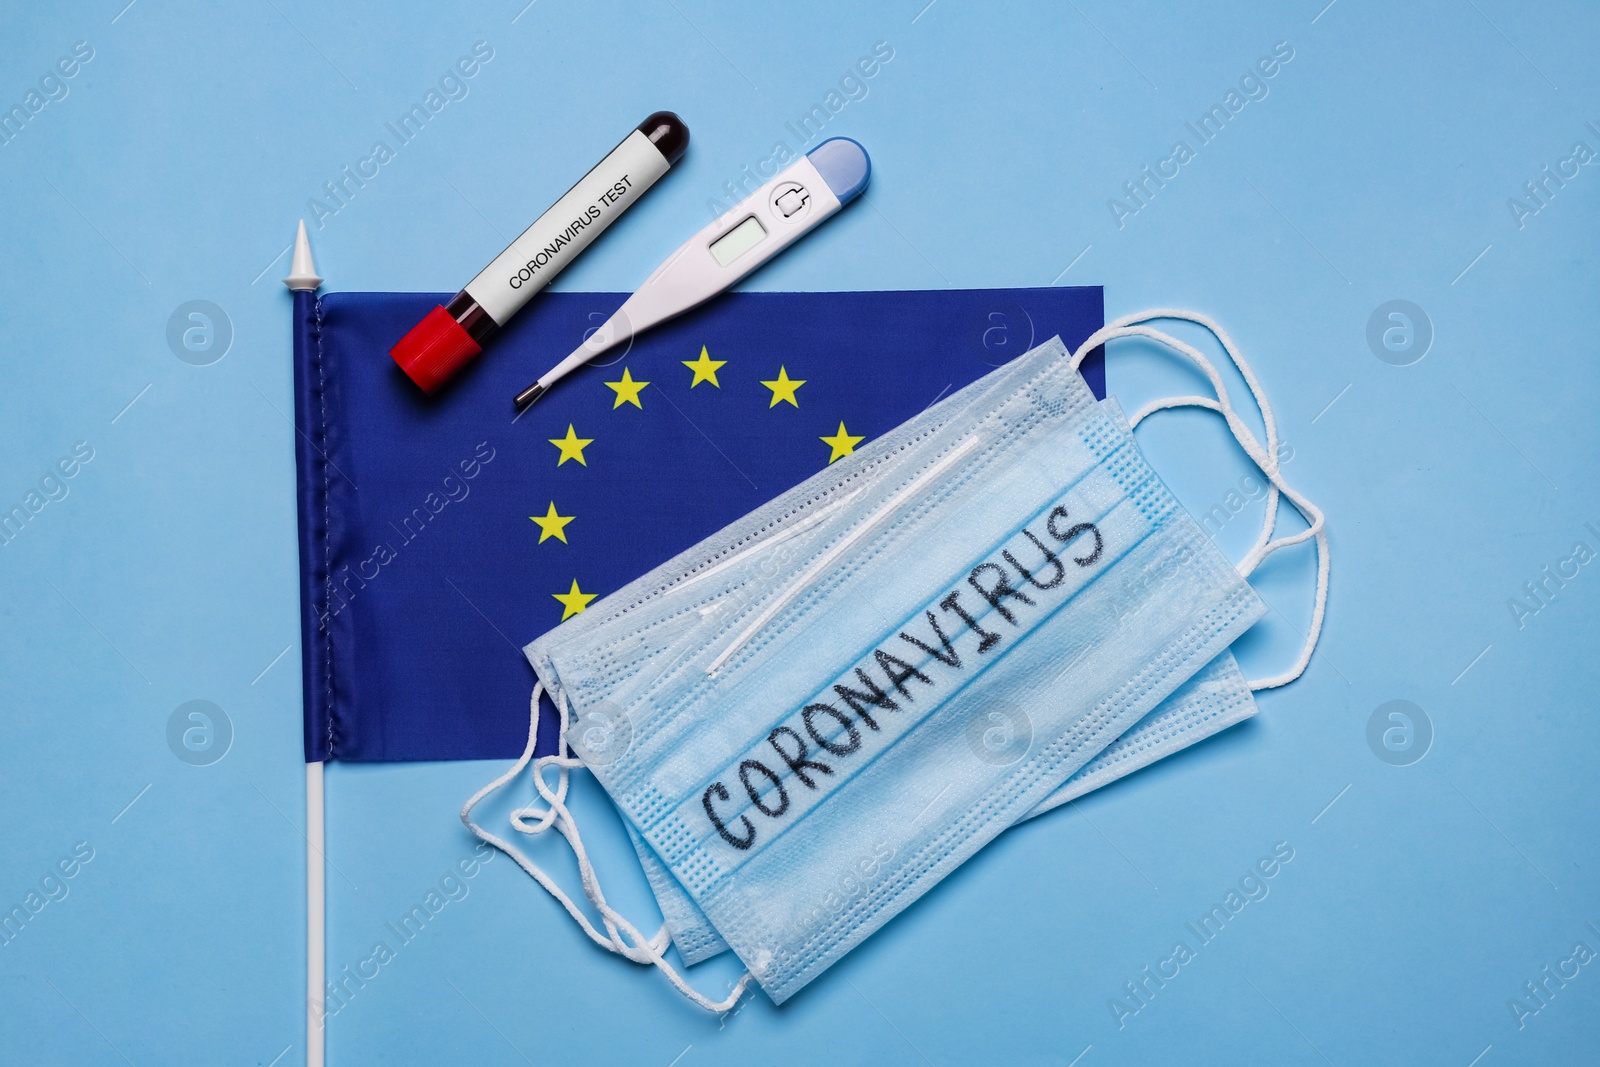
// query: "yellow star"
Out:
[552,525]
[627,391]
[841,443]
[573,602]
[571,446]
[705,368]
[783,388]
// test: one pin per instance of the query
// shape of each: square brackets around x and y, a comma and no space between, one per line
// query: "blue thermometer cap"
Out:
[844,165]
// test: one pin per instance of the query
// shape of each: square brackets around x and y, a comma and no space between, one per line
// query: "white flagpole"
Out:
[303,279]
[316,939]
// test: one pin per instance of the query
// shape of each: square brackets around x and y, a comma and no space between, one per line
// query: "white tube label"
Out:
[557,236]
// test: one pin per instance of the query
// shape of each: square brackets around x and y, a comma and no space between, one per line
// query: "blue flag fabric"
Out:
[439,535]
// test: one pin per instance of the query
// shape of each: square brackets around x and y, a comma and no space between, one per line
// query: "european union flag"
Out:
[440,535]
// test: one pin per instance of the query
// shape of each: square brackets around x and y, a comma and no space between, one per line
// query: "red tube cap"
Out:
[434,350]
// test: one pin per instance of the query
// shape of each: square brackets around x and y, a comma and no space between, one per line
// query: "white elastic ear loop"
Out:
[1246,439]
[1215,328]
[1127,327]
[1266,460]
[1242,433]
[638,948]
[1269,521]
[527,865]
[561,817]
[1262,549]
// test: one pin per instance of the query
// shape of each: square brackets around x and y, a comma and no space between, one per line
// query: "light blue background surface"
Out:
[1379,167]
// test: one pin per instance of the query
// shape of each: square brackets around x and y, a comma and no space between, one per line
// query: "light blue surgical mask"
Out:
[825,658]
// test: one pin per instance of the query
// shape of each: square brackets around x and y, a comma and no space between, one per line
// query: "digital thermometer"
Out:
[771,219]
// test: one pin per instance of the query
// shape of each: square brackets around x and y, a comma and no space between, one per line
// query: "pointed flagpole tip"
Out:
[302,271]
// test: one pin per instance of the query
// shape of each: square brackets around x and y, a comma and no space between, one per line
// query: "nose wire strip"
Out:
[827,559]
[770,542]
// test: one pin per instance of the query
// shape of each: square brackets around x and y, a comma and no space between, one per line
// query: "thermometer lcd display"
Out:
[737,241]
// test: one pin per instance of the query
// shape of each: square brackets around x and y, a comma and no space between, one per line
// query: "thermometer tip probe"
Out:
[786,208]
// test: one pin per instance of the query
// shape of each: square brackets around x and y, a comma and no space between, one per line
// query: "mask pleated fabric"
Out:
[1214,699]
[812,717]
